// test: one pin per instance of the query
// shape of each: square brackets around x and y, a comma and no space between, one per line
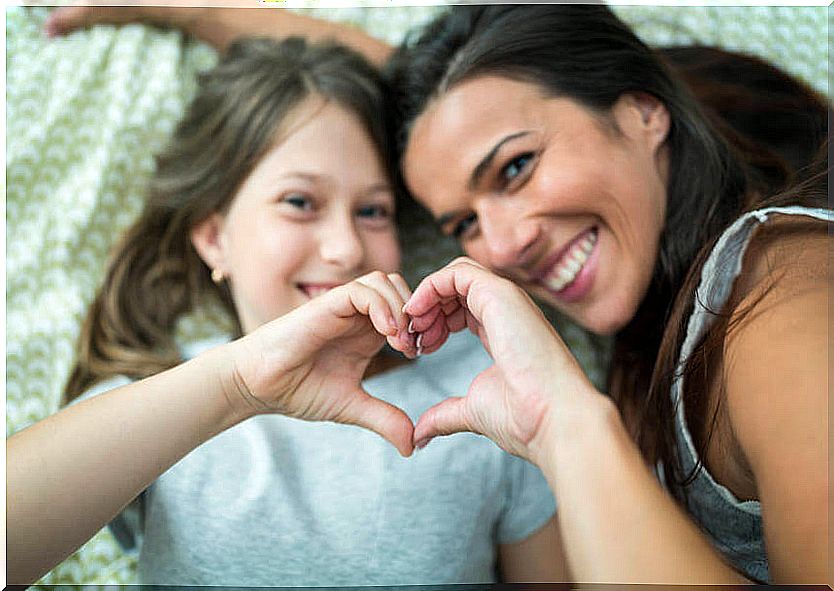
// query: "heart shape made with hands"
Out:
[451,415]
[532,367]
[336,335]
[487,408]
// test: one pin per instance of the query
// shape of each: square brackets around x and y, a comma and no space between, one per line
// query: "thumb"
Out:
[444,418]
[383,418]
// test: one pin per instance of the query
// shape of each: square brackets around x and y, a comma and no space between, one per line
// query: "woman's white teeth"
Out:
[571,263]
[582,255]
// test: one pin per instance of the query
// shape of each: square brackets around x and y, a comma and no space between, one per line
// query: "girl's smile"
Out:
[317,211]
[312,290]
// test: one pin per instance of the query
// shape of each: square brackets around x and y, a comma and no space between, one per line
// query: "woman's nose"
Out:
[508,237]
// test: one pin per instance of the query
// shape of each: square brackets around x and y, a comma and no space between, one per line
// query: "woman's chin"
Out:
[602,319]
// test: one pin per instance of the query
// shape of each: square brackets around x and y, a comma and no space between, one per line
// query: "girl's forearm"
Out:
[618,524]
[220,26]
[70,474]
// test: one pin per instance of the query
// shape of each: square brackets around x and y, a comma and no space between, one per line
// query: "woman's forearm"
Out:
[220,26]
[70,474]
[618,524]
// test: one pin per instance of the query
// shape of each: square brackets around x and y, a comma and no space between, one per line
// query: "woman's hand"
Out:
[534,375]
[309,363]
[81,15]
[217,26]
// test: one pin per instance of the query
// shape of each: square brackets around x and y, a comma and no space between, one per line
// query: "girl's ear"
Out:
[206,236]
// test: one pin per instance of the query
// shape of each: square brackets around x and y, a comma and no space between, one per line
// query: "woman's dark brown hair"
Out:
[584,52]
[775,122]
[154,276]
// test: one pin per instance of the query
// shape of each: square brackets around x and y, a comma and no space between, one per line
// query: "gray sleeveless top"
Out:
[734,526]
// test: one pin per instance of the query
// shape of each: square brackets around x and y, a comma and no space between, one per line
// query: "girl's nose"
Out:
[341,245]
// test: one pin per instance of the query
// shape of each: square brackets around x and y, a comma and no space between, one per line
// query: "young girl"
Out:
[273,196]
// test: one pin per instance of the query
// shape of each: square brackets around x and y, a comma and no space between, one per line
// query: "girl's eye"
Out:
[515,167]
[464,226]
[374,212]
[298,201]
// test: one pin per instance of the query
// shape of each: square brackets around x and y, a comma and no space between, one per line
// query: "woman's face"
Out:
[567,203]
[316,212]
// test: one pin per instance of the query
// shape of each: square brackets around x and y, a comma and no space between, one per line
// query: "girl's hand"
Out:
[534,375]
[309,363]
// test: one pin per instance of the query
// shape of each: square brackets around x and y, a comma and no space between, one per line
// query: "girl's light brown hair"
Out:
[154,276]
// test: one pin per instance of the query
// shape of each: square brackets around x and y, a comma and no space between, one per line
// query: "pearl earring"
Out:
[217,276]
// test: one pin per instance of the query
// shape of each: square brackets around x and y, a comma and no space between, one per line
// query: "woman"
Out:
[591,179]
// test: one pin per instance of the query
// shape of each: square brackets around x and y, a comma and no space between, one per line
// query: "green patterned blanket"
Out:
[86,113]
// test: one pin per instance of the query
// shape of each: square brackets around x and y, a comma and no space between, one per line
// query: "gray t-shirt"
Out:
[276,501]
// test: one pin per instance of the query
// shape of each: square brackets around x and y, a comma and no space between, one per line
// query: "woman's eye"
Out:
[516,166]
[298,201]
[463,227]
[373,211]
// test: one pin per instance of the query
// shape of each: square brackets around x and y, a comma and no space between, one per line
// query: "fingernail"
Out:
[423,443]
[411,326]
[419,343]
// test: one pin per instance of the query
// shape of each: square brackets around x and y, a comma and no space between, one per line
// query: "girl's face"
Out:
[316,212]
[567,203]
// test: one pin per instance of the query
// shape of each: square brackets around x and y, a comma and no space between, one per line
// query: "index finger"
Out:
[452,281]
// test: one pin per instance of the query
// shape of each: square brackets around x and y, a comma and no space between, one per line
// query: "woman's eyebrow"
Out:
[486,161]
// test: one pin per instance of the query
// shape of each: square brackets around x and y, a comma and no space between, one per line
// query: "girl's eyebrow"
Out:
[304,176]
[380,187]
[486,161]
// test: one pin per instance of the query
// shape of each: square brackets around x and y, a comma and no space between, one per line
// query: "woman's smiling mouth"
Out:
[564,278]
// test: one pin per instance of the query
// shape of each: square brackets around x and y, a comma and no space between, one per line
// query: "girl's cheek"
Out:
[393,253]
[382,250]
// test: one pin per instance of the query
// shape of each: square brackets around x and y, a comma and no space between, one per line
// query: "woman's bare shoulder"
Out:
[775,376]
[786,256]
